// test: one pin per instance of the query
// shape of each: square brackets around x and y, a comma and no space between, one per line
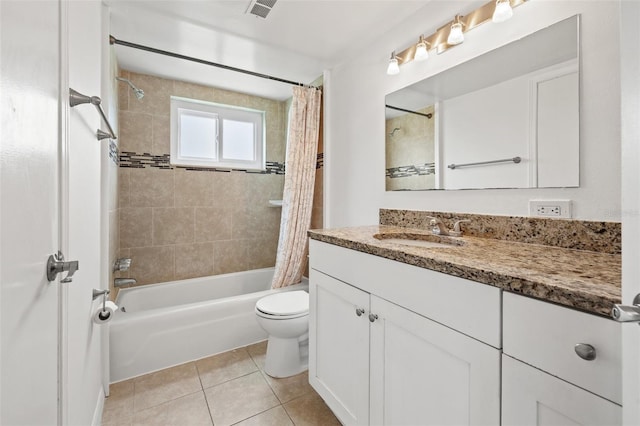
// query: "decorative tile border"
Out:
[114,154]
[412,170]
[604,237]
[135,160]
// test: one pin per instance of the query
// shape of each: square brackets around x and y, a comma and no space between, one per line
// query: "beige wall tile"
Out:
[222,205]
[135,132]
[193,91]
[194,188]
[123,186]
[229,189]
[157,94]
[261,253]
[194,260]
[160,135]
[135,227]
[213,224]
[173,225]
[151,187]
[152,264]
[229,256]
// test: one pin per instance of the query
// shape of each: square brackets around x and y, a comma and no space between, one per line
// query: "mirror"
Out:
[506,119]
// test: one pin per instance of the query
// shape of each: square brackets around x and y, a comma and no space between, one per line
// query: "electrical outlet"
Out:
[550,208]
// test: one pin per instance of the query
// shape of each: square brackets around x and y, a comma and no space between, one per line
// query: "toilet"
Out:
[285,318]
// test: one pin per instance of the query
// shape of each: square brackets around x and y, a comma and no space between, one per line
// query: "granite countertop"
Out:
[584,280]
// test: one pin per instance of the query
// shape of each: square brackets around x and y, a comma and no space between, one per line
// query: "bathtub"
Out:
[163,325]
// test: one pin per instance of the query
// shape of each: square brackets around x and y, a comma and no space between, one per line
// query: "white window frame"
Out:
[219,112]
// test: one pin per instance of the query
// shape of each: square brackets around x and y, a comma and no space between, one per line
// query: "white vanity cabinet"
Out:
[544,380]
[386,347]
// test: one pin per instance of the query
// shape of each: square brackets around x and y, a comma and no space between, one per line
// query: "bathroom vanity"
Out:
[404,334]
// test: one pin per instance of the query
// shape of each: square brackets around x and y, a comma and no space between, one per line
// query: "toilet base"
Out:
[286,357]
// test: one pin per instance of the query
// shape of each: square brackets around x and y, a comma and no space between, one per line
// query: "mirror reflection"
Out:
[515,124]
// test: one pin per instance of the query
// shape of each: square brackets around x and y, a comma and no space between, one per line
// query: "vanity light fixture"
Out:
[502,12]
[455,33]
[422,53]
[452,34]
[393,67]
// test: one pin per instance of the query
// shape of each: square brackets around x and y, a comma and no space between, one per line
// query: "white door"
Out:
[339,347]
[423,373]
[533,397]
[29,310]
[630,93]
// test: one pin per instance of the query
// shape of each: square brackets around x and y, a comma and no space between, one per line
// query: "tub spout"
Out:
[120,282]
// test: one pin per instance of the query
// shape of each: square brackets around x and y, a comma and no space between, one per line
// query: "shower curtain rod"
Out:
[113,40]
[428,115]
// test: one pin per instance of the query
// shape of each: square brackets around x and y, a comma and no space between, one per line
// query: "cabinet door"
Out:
[339,347]
[533,397]
[423,373]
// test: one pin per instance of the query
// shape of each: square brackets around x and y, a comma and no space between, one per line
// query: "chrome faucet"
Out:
[122,264]
[120,282]
[439,228]
[456,231]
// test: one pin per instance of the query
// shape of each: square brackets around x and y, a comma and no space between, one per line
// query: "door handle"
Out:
[627,313]
[56,265]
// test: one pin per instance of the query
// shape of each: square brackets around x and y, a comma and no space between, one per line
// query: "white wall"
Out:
[355,90]
[84,338]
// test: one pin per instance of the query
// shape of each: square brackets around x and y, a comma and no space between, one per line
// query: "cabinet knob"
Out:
[359,312]
[373,317]
[585,351]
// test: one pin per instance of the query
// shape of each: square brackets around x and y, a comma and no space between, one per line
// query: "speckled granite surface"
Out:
[585,280]
[603,237]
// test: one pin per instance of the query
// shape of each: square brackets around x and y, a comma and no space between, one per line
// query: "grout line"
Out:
[287,412]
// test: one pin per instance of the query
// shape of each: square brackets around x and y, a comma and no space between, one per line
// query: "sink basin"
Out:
[419,240]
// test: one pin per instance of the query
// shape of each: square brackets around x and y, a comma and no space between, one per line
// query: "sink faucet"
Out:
[439,228]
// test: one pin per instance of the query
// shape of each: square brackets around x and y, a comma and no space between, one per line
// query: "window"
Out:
[204,134]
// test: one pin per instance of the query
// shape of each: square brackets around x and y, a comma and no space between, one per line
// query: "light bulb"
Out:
[455,34]
[393,67]
[422,53]
[502,12]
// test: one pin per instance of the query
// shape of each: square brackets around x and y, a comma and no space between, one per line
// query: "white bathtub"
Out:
[172,323]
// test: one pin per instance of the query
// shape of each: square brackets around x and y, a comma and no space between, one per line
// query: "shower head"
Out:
[138,92]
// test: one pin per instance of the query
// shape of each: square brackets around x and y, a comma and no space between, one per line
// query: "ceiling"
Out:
[297,41]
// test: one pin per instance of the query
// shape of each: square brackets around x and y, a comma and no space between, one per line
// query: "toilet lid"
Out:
[285,303]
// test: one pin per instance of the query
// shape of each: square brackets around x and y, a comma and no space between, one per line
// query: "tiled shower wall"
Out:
[177,223]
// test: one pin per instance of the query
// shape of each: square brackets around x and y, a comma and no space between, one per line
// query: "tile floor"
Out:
[225,389]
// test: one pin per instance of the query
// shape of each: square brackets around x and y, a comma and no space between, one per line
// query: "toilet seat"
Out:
[285,305]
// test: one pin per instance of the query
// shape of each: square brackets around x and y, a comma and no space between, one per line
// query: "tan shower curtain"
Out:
[300,172]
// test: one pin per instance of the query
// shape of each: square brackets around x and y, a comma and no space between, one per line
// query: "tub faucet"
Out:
[120,282]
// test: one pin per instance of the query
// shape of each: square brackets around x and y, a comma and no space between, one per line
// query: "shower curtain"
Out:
[300,172]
